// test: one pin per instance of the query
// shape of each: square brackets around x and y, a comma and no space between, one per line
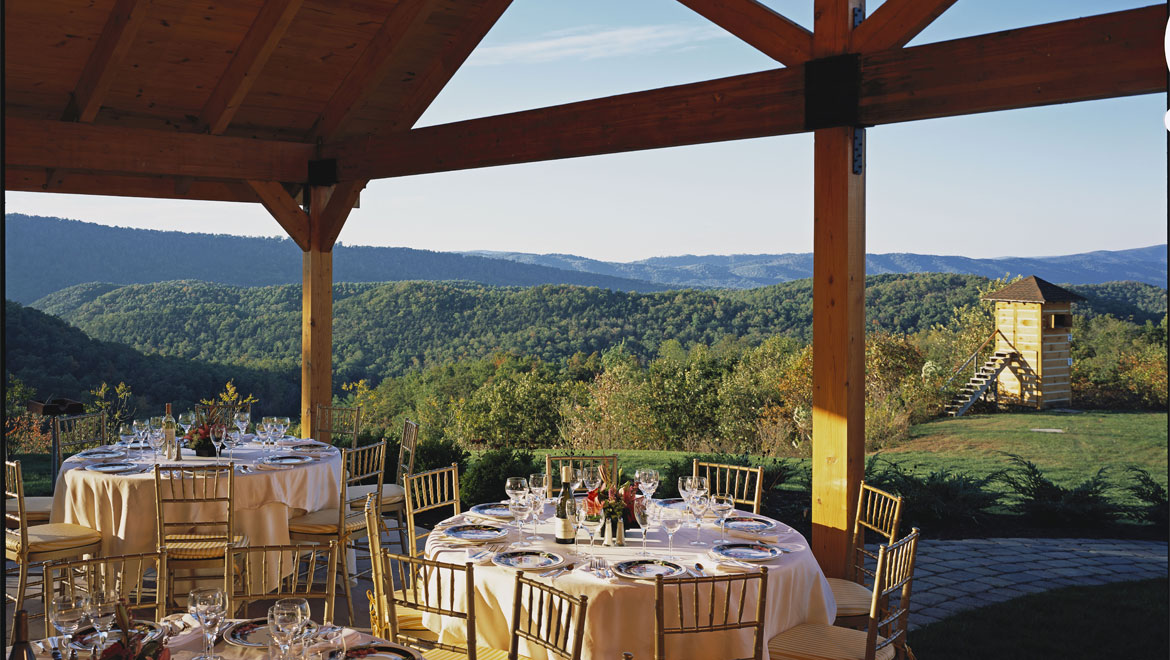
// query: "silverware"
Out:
[40,647]
[701,572]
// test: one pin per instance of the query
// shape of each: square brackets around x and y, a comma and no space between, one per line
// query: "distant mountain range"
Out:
[745,271]
[43,255]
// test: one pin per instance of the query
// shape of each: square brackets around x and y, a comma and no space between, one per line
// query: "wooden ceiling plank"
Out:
[112,46]
[250,57]
[895,23]
[284,209]
[445,64]
[86,147]
[371,67]
[758,26]
[83,183]
[1095,57]
[1116,54]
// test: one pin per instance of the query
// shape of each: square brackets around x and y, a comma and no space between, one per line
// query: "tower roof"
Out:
[1035,290]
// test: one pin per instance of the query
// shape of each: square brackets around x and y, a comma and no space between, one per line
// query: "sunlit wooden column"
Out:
[316,316]
[838,445]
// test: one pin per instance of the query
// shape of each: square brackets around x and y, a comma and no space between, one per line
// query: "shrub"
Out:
[431,454]
[483,481]
[1047,504]
[1152,495]
[939,499]
[777,502]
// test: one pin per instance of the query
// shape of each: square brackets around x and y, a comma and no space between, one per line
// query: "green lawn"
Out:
[1121,620]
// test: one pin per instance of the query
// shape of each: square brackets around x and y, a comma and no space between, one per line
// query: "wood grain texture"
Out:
[158,187]
[341,202]
[759,26]
[291,217]
[113,44]
[895,23]
[72,146]
[316,322]
[248,62]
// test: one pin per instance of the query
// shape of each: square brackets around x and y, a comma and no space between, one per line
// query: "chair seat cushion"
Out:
[325,522]
[852,598]
[36,509]
[817,641]
[53,537]
[481,652]
[391,493]
[196,546]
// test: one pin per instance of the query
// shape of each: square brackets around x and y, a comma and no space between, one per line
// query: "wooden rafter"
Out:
[371,67]
[250,57]
[162,187]
[1110,55]
[112,45]
[291,217]
[85,147]
[896,22]
[759,26]
[342,200]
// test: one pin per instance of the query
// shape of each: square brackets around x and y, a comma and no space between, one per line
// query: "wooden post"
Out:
[838,417]
[316,317]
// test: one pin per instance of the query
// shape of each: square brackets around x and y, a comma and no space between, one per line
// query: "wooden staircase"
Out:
[985,376]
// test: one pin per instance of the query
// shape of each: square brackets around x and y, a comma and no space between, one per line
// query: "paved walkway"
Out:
[951,576]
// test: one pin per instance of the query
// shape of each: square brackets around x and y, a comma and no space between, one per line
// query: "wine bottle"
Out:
[21,649]
[566,530]
[174,453]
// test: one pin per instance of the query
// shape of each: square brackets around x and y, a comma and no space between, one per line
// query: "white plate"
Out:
[117,467]
[492,510]
[101,453]
[288,460]
[475,533]
[753,552]
[528,560]
[647,569]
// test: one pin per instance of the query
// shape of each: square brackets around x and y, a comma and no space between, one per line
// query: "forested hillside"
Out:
[43,255]
[382,330]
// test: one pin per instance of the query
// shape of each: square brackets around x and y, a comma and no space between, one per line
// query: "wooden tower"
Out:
[1034,319]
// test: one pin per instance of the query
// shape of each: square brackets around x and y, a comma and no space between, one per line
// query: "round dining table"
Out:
[620,612]
[122,506]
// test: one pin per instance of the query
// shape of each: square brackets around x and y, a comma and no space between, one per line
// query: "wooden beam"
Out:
[371,67]
[1117,54]
[342,200]
[838,415]
[284,209]
[895,23]
[251,55]
[759,26]
[753,105]
[1105,56]
[161,187]
[316,321]
[85,147]
[112,46]
[445,64]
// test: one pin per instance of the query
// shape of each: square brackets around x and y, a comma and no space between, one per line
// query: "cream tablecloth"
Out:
[620,614]
[122,507]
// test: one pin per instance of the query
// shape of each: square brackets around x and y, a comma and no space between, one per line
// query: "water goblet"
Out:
[671,522]
[231,441]
[698,505]
[592,479]
[303,611]
[242,419]
[208,606]
[684,487]
[647,481]
[538,485]
[68,613]
[722,505]
[141,428]
[282,424]
[642,517]
[515,487]
[186,421]
[578,479]
[283,624]
[154,438]
[217,433]
[699,486]
[592,525]
[535,509]
[102,605]
[519,508]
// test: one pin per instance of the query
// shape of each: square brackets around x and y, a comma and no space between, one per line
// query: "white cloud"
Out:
[594,43]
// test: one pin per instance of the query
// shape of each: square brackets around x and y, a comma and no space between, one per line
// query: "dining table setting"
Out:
[616,566]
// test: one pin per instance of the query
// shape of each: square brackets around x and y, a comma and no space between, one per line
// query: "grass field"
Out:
[1121,620]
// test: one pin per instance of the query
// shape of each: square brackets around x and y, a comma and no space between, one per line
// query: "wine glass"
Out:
[231,441]
[519,508]
[538,485]
[699,486]
[282,424]
[262,427]
[592,479]
[647,481]
[68,613]
[592,525]
[141,428]
[578,479]
[102,605]
[515,487]
[284,622]
[303,611]
[208,607]
[722,505]
[186,420]
[242,418]
[684,488]
[154,440]
[535,509]
[671,522]
[698,505]
[217,433]
[642,516]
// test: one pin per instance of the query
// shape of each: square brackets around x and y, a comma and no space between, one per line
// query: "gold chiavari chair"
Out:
[394,495]
[431,586]
[305,571]
[881,513]
[139,578]
[553,465]
[75,433]
[383,580]
[195,518]
[346,523]
[745,485]
[428,491]
[335,421]
[25,546]
[545,616]
[706,595]
[884,637]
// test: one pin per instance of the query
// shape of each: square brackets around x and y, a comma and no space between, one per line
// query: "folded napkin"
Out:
[728,567]
[752,536]
[464,555]
[269,466]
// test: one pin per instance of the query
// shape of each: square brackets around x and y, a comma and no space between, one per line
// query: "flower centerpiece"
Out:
[199,439]
[615,504]
[132,645]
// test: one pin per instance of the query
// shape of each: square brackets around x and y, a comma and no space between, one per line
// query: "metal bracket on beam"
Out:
[323,172]
[858,16]
[858,150]
[832,91]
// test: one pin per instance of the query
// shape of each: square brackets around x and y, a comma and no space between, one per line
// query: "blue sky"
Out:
[1042,181]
